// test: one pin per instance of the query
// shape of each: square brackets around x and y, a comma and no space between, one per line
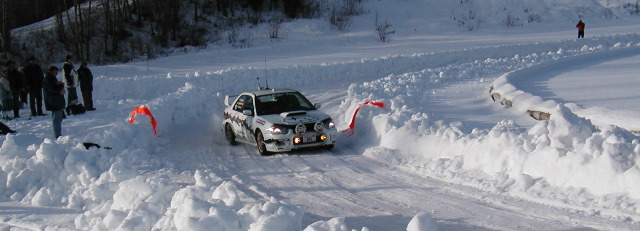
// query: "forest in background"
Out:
[110,31]
[106,31]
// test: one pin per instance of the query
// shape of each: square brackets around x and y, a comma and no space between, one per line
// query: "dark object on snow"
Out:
[507,103]
[538,115]
[76,109]
[88,145]
[495,97]
[4,129]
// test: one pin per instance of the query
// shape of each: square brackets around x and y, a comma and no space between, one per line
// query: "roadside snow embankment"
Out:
[512,86]
[108,186]
[565,159]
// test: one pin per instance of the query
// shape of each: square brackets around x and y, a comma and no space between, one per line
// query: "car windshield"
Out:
[282,102]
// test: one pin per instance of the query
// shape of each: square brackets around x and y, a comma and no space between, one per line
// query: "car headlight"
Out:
[329,123]
[278,129]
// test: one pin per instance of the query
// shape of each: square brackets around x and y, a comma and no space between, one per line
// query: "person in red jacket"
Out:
[580,27]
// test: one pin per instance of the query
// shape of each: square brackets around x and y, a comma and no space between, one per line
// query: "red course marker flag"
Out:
[145,111]
[353,119]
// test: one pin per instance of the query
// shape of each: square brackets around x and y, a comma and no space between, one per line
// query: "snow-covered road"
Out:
[368,193]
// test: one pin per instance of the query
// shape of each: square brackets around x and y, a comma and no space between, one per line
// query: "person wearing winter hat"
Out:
[580,27]
[86,85]
[34,75]
[70,81]
[6,98]
[54,91]
[16,83]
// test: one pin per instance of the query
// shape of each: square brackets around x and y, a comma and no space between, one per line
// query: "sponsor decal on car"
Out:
[301,119]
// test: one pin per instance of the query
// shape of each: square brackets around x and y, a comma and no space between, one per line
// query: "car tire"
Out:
[262,147]
[328,147]
[229,135]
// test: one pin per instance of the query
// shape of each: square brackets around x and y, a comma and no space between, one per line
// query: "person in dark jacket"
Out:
[70,81]
[6,98]
[34,75]
[54,91]
[580,27]
[86,86]
[16,83]
[23,93]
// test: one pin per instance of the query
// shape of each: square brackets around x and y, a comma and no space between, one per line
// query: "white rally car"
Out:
[277,120]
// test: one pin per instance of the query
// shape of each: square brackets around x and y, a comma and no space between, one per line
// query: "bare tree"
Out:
[384,29]
[116,30]
[6,26]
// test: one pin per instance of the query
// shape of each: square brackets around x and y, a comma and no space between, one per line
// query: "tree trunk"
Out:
[60,25]
[89,33]
[107,22]
[73,27]
[6,26]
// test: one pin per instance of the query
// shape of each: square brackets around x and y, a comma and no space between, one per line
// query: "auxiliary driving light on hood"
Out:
[318,127]
[300,128]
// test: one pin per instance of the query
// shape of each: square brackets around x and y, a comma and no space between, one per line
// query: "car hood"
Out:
[296,117]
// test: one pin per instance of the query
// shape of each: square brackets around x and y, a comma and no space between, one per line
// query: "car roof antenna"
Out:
[266,78]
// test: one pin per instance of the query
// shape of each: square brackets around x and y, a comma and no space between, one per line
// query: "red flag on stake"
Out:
[145,111]
[353,120]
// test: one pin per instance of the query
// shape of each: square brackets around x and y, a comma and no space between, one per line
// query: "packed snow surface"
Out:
[440,155]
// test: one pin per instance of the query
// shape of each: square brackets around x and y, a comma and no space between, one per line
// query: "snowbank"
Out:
[512,86]
[566,158]
[114,195]
[158,204]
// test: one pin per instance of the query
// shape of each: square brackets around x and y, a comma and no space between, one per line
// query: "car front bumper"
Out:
[288,142]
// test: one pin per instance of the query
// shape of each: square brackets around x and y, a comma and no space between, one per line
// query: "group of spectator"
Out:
[31,85]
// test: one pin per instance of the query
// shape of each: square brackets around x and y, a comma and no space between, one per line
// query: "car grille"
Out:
[309,126]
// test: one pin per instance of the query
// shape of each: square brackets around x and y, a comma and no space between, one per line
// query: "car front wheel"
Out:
[262,147]
[228,133]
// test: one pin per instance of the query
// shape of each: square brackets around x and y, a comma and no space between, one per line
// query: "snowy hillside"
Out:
[440,155]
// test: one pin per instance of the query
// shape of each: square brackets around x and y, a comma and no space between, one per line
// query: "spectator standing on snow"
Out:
[54,91]
[17,87]
[34,75]
[23,90]
[70,81]
[6,98]
[86,85]
[580,27]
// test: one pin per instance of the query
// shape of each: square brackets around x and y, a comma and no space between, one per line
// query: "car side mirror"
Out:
[247,112]
[317,105]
